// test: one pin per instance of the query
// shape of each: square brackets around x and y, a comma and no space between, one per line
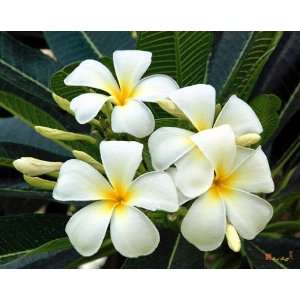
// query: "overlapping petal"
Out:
[134,118]
[198,103]
[86,229]
[154,88]
[120,160]
[132,233]
[218,145]
[94,74]
[87,106]
[240,116]
[247,212]
[167,145]
[79,181]
[205,222]
[181,197]
[253,175]
[130,66]
[195,173]
[154,191]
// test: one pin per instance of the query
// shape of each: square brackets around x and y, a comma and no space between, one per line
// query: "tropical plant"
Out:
[262,68]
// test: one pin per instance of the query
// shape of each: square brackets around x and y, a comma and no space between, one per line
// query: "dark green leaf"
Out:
[25,68]
[182,55]
[173,252]
[71,46]
[225,55]
[22,233]
[54,254]
[248,66]
[267,109]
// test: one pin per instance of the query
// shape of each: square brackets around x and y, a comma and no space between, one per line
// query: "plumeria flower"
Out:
[132,233]
[229,206]
[130,114]
[171,145]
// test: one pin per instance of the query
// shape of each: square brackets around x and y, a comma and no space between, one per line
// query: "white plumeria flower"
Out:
[239,172]
[132,233]
[130,114]
[171,145]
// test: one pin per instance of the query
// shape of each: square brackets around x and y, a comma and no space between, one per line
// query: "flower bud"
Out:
[248,139]
[60,135]
[40,183]
[62,103]
[170,107]
[233,239]
[88,159]
[34,167]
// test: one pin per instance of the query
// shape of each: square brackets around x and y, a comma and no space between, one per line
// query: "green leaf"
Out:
[54,254]
[71,46]
[291,107]
[182,55]
[290,153]
[25,68]
[173,252]
[267,109]
[249,64]
[22,233]
[226,52]
[266,253]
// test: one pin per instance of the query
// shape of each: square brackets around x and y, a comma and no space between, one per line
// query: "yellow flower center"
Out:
[221,186]
[119,195]
[123,96]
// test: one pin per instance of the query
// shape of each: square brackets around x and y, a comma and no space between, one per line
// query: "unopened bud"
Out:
[62,103]
[134,35]
[233,239]
[248,139]
[170,107]
[60,135]
[88,159]
[40,183]
[34,167]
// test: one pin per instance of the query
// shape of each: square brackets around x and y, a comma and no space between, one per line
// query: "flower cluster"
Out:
[216,164]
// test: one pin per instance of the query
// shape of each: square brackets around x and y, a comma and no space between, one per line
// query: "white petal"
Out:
[130,66]
[181,197]
[248,213]
[198,104]
[86,229]
[132,233]
[218,145]
[240,116]
[87,106]
[205,223]
[94,74]
[167,145]
[154,88]
[195,174]
[121,160]
[254,174]
[154,191]
[79,181]
[134,118]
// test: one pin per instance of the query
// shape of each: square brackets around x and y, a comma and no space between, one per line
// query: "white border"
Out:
[150,15]
[149,284]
